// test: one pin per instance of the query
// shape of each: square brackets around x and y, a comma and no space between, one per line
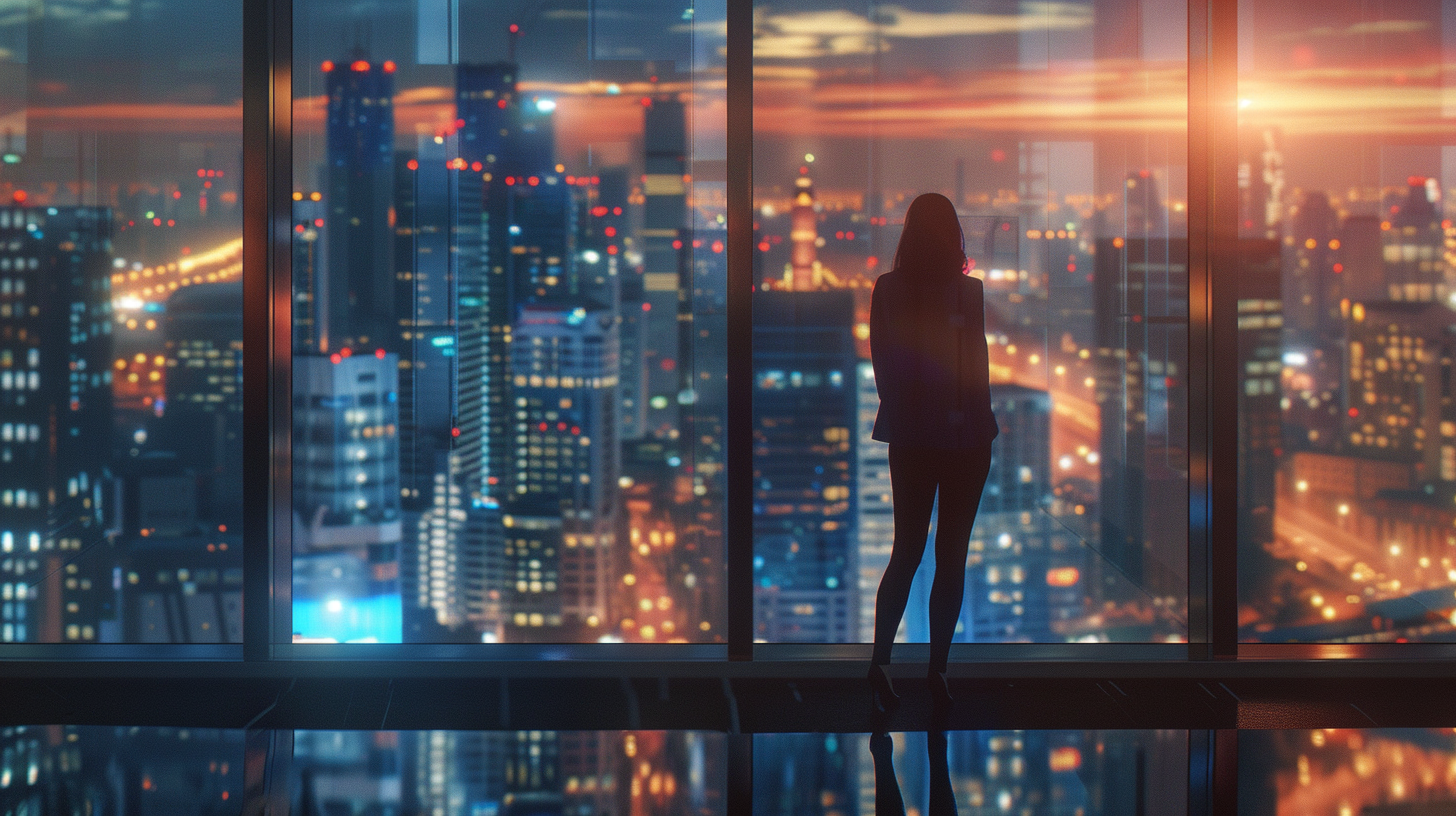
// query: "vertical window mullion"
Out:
[267,317]
[740,330]
[1213,357]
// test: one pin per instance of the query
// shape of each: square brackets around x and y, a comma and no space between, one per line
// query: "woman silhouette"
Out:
[932,371]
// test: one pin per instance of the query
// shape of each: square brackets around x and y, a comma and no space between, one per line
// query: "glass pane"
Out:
[972,772]
[1347,430]
[505,772]
[1058,132]
[1340,770]
[509,362]
[120,323]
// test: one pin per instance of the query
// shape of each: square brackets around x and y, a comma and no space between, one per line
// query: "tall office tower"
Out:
[1261,183]
[1024,572]
[55,415]
[804,421]
[357,300]
[561,517]
[203,419]
[803,272]
[1020,477]
[346,489]
[529,255]
[1415,265]
[486,109]
[875,523]
[1399,387]
[450,579]
[309,262]
[1312,285]
[665,231]
[1140,291]
[506,131]
[439,244]
[604,232]
[1261,367]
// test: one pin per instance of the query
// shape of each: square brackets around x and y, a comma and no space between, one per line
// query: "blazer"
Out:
[932,367]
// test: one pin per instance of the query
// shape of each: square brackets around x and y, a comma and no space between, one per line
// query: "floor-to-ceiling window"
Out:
[1059,132]
[509,314]
[120,323]
[1347,425]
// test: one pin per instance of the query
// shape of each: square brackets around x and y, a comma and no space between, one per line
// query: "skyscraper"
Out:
[357,298]
[804,426]
[485,108]
[561,490]
[346,495]
[1140,288]
[203,419]
[665,233]
[1261,366]
[55,415]
[1399,390]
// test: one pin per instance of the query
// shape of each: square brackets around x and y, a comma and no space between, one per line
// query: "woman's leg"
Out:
[963,477]
[913,488]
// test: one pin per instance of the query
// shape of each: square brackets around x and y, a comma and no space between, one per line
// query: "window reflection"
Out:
[972,772]
[1060,135]
[468,773]
[1339,770]
[107,769]
[1347,458]
[509,359]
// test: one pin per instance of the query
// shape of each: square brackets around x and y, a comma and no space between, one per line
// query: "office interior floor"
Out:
[1256,737]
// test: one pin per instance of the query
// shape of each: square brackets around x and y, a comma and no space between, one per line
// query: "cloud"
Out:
[817,34]
[1373,27]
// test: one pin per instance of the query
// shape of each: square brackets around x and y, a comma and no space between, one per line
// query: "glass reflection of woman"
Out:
[888,801]
[928,347]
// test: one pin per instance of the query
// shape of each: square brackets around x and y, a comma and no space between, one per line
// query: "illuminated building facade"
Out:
[1399,386]
[665,235]
[358,298]
[1140,288]
[560,501]
[203,342]
[1416,268]
[805,408]
[346,487]
[485,108]
[1261,360]
[55,418]
[803,235]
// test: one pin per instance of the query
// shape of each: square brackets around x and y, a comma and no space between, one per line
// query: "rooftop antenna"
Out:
[512,37]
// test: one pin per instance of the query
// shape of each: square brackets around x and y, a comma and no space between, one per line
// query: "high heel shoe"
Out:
[882,691]
[940,698]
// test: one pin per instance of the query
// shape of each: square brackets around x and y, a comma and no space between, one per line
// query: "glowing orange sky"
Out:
[1087,99]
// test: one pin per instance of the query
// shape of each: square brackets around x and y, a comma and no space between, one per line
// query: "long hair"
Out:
[931,244]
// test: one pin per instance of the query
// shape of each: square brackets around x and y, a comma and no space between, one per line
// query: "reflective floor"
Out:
[154,770]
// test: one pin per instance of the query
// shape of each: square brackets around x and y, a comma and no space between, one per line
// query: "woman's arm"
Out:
[880,337]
